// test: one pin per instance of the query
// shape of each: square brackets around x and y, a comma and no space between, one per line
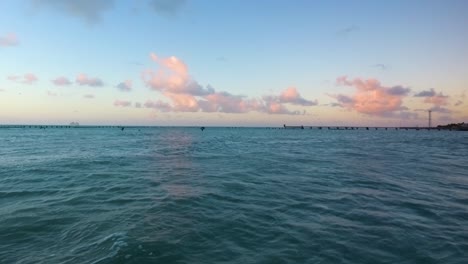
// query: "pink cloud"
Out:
[88,96]
[291,95]
[228,103]
[173,81]
[172,76]
[371,97]
[183,102]
[432,97]
[120,103]
[125,86]
[83,79]
[276,104]
[273,105]
[9,40]
[223,102]
[277,108]
[28,78]
[61,81]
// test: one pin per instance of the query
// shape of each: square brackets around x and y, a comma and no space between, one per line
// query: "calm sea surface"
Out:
[225,195]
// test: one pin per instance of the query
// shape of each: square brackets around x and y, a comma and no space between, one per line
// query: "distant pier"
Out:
[68,126]
[293,127]
[365,128]
[296,127]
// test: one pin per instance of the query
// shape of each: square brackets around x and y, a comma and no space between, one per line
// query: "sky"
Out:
[234,63]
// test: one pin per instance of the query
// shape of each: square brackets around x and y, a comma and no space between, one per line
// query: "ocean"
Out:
[233,195]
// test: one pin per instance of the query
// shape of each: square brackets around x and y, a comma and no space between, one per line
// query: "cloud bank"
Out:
[291,95]
[371,97]
[28,78]
[173,81]
[437,99]
[432,97]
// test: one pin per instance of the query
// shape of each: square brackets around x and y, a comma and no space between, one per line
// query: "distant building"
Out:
[74,124]
[455,126]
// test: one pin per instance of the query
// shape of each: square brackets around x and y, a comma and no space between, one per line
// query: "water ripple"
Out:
[179,195]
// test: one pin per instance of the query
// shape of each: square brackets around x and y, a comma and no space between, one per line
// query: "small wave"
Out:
[233,196]
[108,247]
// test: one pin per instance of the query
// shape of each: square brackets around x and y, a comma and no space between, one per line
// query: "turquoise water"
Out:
[224,195]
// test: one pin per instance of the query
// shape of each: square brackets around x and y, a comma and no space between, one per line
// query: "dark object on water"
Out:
[122,128]
[454,126]
[202,128]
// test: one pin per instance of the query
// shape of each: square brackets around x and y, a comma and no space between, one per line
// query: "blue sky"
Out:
[233,62]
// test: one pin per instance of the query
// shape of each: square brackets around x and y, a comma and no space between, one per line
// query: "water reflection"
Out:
[178,171]
[181,191]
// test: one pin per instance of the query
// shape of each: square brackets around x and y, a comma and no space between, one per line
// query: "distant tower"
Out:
[430,118]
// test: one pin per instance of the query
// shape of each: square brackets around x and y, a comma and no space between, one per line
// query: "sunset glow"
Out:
[233,63]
